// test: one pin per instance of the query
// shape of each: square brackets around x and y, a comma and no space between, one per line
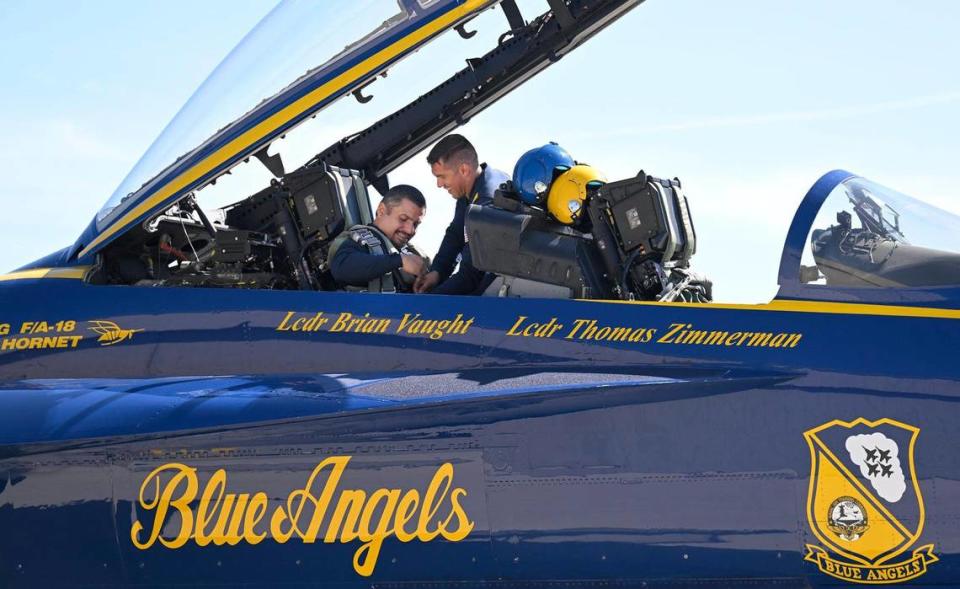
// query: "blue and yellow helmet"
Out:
[536,169]
[568,193]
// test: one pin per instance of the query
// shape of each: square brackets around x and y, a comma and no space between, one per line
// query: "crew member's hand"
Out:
[427,282]
[413,264]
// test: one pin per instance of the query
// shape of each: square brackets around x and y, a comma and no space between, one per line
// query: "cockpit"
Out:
[633,238]
[859,239]
[855,240]
[634,242]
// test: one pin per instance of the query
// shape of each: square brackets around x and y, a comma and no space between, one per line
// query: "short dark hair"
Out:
[453,150]
[402,192]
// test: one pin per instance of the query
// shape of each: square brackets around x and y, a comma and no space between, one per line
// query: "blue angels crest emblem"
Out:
[864,503]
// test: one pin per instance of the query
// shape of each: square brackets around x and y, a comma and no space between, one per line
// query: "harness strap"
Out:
[365,236]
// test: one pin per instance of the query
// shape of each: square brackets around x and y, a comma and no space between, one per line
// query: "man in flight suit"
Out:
[457,168]
[378,257]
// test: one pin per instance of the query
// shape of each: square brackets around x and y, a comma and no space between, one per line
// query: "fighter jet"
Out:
[187,398]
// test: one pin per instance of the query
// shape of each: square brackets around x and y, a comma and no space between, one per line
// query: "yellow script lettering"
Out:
[165,500]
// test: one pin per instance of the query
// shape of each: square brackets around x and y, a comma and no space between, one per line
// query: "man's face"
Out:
[455,179]
[399,222]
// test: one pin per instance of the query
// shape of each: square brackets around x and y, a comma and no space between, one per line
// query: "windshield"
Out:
[868,235]
[294,39]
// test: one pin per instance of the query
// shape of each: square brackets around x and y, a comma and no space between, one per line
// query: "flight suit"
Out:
[468,279]
[364,258]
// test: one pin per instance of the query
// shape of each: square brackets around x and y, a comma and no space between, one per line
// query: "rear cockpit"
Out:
[634,242]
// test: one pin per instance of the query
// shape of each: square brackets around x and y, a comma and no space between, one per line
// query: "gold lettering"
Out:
[163,501]
[674,328]
[731,339]
[283,324]
[440,330]
[232,535]
[464,525]
[715,338]
[373,540]
[590,331]
[315,322]
[463,325]
[346,322]
[692,336]
[226,518]
[538,330]
[431,502]
[346,529]
[293,514]
[215,486]
[341,323]
[255,513]
[432,328]
[513,330]
[53,342]
[577,324]
[407,317]
[405,512]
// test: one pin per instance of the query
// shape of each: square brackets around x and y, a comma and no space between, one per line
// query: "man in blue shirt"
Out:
[457,168]
[378,257]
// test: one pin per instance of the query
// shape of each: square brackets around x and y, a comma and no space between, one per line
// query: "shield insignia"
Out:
[864,501]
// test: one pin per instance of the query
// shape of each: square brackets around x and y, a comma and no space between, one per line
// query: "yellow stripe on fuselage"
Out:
[817,307]
[288,113]
[823,307]
[75,273]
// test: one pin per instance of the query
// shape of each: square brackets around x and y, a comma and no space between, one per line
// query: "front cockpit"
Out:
[277,238]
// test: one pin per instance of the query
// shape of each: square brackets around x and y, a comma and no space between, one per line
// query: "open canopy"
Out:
[245,105]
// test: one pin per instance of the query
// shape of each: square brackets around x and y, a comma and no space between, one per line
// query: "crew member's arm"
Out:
[467,280]
[353,265]
[452,244]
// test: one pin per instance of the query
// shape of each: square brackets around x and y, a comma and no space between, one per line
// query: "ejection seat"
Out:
[307,208]
[635,243]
